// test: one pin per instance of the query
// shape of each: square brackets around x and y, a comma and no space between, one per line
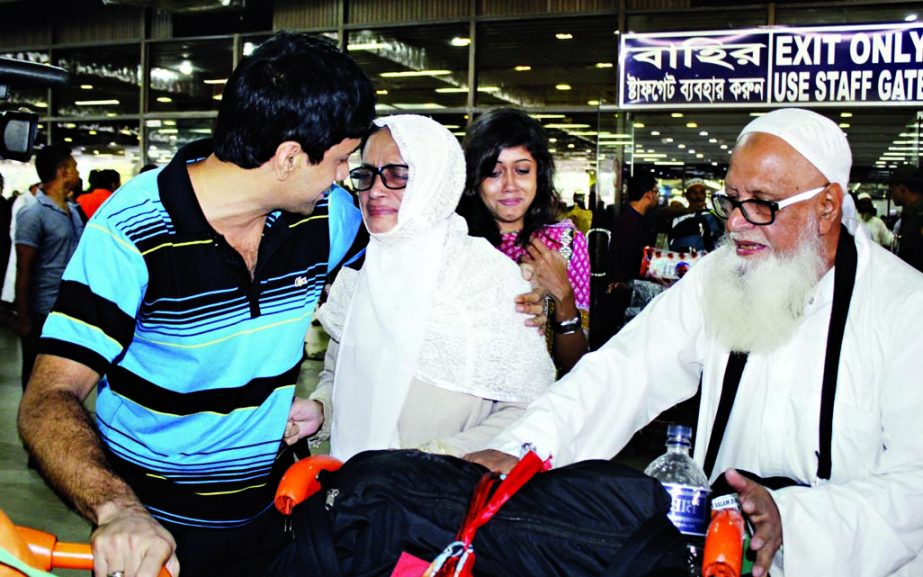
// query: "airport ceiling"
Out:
[561,69]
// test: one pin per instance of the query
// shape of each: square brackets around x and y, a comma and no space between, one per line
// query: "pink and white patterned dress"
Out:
[564,237]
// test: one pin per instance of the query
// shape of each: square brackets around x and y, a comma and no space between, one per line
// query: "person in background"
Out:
[185,307]
[631,232]
[414,360]
[511,201]
[869,219]
[103,182]
[906,188]
[698,229]
[9,280]
[148,166]
[579,214]
[817,325]
[47,232]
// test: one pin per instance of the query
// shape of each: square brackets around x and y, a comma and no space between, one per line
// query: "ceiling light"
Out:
[668,139]
[910,18]
[691,151]
[216,97]
[522,68]
[604,65]
[699,155]
[566,126]
[724,147]
[543,116]
[366,46]
[676,114]
[757,113]
[460,42]
[844,125]
[92,133]
[215,81]
[169,123]
[450,90]
[562,86]
[249,47]
[164,99]
[593,102]
[421,106]
[638,125]
[552,150]
[703,133]
[70,125]
[410,73]
[185,67]
[691,125]
[488,89]
[86,86]
[713,140]
[68,139]
[570,145]
[381,92]
[112,102]
[552,140]
[846,115]
[564,36]
[655,133]
[681,145]
[41,104]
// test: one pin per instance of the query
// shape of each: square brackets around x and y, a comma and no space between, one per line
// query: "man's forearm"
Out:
[57,430]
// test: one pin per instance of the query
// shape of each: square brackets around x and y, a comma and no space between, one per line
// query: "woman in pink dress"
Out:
[511,201]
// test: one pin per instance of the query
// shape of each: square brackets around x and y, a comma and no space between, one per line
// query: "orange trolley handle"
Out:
[300,481]
[42,550]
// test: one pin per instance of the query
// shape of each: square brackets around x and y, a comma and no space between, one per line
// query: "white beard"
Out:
[756,305]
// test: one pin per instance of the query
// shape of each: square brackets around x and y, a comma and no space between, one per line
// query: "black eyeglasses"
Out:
[758,211]
[393,176]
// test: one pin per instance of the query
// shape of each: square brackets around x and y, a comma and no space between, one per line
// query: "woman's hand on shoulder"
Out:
[548,270]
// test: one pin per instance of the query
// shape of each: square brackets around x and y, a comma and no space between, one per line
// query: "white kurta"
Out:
[868,519]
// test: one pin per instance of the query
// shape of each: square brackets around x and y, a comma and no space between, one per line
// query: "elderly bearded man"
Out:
[829,394]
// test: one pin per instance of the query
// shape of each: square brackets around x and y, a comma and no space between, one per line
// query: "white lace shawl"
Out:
[430,302]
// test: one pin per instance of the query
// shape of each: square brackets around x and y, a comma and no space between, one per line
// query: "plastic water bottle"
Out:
[688,486]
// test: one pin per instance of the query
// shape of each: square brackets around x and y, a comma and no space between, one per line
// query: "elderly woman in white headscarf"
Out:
[426,347]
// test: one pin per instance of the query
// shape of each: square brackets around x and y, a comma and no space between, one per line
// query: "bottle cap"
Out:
[679,432]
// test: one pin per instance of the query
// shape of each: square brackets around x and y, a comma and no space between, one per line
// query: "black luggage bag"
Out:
[595,518]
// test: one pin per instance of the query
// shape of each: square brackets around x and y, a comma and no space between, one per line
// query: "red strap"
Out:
[479,513]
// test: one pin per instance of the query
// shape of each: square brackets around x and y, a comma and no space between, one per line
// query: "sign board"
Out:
[868,65]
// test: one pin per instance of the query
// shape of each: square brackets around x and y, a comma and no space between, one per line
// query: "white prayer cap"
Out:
[815,137]
[695,182]
[863,196]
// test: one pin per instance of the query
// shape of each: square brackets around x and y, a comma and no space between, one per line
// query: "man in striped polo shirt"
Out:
[186,305]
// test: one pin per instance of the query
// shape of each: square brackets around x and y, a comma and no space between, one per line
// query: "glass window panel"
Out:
[105,80]
[539,63]
[417,68]
[100,145]
[33,99]
[166,136]
[844,15]
[677,20]
[189,75]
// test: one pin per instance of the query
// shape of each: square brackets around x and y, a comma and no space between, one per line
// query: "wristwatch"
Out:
[566,327]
